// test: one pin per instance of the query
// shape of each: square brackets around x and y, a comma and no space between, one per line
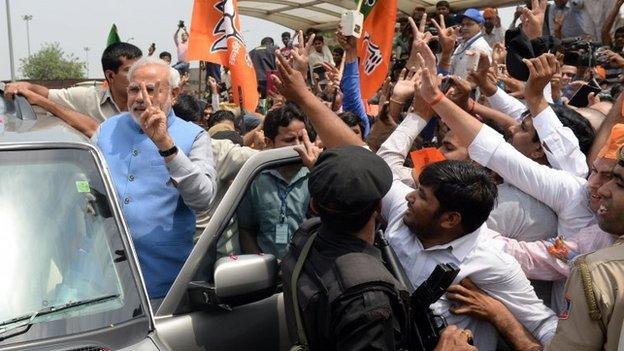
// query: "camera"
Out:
[582,53]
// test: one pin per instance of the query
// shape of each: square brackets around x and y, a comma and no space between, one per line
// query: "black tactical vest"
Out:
[345,276]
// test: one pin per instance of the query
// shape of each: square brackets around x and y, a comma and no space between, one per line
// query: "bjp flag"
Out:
[216,36]
[375,44]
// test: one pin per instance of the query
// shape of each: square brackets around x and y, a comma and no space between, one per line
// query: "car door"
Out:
[259,324]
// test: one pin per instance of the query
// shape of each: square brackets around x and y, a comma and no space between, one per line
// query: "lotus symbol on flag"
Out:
[226,27]
[373,57]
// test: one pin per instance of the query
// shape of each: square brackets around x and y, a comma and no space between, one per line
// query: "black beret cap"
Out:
[348,179]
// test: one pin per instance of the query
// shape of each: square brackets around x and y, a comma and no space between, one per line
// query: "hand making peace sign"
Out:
[153,120]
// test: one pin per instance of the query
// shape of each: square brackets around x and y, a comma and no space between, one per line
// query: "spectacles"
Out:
[136,89]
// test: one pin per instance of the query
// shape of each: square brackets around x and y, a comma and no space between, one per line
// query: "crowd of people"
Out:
[499,151]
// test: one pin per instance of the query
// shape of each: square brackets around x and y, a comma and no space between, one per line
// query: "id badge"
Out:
[281,233]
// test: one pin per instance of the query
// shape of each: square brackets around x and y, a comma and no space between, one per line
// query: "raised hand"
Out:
[533,19]
[446,36]
[301,52]
[290,82]
[460,93]
[484,77]
[541,71]
[556,86]
[419,105]
[332,73]
[499,53]
[418,32]
[308,152]
[404,87]
[349,44]
[153,120]
[427,84]
[386,91]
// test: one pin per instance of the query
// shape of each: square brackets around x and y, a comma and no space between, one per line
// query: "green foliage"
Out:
[51,62]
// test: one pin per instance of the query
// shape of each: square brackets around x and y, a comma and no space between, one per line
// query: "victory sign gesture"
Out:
[153,120]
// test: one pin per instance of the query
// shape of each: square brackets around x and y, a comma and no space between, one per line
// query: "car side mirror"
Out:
[238,280]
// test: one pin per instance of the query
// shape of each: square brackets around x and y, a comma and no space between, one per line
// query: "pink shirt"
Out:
[538,263]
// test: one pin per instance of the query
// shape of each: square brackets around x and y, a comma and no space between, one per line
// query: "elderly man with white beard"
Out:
[163,171]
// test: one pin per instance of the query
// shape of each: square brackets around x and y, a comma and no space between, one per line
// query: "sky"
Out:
[77,24]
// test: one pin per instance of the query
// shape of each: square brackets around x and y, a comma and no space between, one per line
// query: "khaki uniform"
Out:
[91,101]
[595,303]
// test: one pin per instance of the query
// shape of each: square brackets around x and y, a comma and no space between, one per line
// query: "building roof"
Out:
[302,14]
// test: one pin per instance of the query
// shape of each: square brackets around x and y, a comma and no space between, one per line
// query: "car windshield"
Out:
[60,242]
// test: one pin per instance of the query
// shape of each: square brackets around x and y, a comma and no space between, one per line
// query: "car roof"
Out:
[34,126]
[46,129]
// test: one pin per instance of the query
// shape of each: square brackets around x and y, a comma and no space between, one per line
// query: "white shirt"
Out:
[488,267]
[462,62]
[395,149]
[316,58]
[497,36]
[563,192]
[560,144]
[520,216]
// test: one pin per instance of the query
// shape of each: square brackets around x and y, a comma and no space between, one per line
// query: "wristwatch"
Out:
[169,152]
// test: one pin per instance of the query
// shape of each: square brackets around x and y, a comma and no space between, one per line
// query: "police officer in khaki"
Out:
[594,291]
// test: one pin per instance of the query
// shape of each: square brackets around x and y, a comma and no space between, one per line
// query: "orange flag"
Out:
[424,157]
[216,36]
[375,44]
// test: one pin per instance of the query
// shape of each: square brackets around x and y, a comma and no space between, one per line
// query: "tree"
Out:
[51,62]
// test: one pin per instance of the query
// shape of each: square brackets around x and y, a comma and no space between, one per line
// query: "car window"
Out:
[274,203]
[61,243]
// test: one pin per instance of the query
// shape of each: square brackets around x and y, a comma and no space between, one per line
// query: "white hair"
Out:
[173,80]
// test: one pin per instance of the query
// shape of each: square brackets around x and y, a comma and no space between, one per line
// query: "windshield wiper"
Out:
[29,318]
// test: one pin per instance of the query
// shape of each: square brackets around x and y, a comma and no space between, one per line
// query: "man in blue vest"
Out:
[163,171]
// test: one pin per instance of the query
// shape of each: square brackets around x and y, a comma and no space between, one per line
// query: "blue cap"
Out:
[474,15]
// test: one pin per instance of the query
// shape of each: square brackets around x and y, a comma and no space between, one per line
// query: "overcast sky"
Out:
[77,24]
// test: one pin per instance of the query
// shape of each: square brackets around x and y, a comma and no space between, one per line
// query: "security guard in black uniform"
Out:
[347,299]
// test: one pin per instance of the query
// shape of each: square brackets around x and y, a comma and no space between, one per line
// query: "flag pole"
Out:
[199,79]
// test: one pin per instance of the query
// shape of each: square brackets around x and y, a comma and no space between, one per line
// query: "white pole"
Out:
[10,41]
[27,19]
[86,50]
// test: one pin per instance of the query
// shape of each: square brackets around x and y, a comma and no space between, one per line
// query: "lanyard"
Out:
[460,55]
[282,193]
[469,43]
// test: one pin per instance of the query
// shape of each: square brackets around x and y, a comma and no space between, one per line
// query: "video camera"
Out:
[582,53]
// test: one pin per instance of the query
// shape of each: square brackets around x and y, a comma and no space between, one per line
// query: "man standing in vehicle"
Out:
[163,170]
